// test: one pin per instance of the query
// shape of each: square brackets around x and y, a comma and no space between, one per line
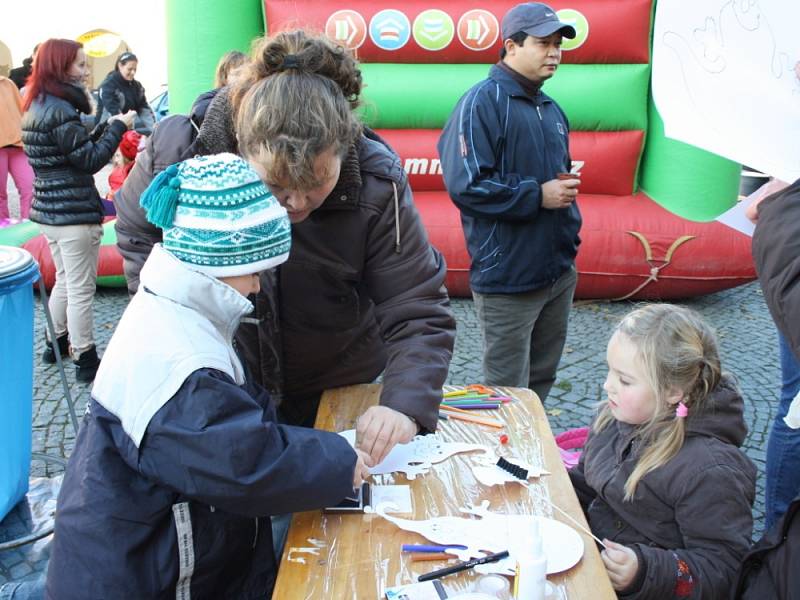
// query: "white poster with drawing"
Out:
[726,78]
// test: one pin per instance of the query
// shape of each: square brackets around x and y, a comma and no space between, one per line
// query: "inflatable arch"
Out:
[102,48]
[644,197]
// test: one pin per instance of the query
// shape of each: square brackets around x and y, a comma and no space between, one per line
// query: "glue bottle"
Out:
[531,578]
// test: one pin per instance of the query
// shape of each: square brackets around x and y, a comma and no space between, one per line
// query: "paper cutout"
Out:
[417,457]
[495,532]
[291,555]
[493,475]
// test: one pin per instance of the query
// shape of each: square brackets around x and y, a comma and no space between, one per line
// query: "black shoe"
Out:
[86,365]
[49,354]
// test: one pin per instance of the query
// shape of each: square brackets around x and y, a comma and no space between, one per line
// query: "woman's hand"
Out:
[127,118]
[361,472]
[769,188]
[621,564]
[380,428]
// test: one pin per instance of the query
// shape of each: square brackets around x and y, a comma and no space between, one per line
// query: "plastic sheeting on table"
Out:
[340,568]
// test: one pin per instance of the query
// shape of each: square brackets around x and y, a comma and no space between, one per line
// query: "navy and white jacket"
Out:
[179,461]
[496,150]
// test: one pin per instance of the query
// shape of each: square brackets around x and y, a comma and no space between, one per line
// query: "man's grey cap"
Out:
[536,19]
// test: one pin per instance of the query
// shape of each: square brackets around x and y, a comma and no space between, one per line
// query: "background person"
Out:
[501,152]
[776,251]
[12,158]
[120,93]
[19,75]
[123,161]
[66,203]
[770,568]
[229,67]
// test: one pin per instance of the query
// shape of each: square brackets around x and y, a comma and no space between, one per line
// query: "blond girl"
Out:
[662,478]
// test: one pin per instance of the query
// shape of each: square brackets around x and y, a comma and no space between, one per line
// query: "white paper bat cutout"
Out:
[495,532]
[417,457]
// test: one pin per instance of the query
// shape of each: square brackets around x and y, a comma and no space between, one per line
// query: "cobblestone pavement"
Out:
[747,338]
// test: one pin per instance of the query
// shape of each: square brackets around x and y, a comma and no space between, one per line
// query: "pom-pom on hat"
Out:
[218,216]
[129,145]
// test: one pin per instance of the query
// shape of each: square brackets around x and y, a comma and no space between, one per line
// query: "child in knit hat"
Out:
[179,461]
[123,161]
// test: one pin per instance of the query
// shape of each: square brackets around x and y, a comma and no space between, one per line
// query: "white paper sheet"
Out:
[724,79]
[396,498]
[735,218]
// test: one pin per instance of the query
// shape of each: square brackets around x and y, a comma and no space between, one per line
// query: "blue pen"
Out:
[429,548]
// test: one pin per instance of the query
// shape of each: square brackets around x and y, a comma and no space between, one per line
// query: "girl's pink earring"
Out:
[682,411]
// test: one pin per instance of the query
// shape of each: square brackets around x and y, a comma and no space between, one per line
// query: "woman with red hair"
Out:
[66,203]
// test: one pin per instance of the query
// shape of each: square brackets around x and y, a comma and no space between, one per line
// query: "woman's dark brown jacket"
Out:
[361,294]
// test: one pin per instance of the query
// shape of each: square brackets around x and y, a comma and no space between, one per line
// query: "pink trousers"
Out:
[14,161]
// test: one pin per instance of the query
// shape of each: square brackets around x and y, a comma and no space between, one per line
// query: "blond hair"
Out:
[678,352]
[227,63]
[295,102]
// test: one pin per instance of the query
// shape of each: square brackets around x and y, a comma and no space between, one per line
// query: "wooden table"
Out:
[331,556]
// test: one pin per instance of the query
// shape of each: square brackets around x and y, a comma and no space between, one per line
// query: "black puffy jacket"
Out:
[118,96]
[65,157]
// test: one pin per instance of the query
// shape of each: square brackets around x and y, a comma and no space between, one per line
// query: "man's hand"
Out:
[621,564]
[361,472]
[559,193]
[380,428]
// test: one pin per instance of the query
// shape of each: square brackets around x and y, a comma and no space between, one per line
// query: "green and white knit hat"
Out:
[218,216]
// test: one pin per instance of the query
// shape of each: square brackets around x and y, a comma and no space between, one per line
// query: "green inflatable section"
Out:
[687,181]
[16,235]
[422,96]
[110,239]
[116,281]
[199,32]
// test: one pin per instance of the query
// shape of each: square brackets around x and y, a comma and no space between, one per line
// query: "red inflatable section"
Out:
[109,261]
[632,249]
[618,30]
[610,158]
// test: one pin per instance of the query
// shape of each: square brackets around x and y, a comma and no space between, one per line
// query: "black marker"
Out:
[463,566]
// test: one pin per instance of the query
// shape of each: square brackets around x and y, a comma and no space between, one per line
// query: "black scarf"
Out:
[77,96]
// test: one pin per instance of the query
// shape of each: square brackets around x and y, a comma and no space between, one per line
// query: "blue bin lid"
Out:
[17,268]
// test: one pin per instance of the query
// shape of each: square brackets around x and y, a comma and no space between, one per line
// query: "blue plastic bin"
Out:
[18,271]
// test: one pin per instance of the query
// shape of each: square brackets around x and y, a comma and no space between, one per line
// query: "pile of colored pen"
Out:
[468,399]
[458,404]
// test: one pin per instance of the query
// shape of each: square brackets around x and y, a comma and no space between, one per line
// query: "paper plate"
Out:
[562,545]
